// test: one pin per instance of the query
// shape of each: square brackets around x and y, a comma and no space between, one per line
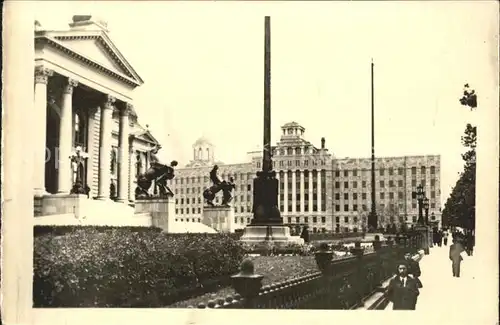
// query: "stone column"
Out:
[40,115]
[294,191]
[285,192]
[310,191]
[279,188]
[131,172]
[302,192]
[319,191]
[64,173]
[105,148]
[123,162]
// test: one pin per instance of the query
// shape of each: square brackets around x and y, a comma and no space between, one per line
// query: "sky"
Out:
[203,67]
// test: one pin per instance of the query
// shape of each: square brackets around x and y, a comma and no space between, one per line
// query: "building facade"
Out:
[83,90]
[316,189]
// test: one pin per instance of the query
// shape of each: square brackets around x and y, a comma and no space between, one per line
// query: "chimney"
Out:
[88,22]
[322,143]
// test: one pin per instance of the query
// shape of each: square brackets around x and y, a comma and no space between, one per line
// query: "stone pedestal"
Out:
[278,234]
[162,211]
[425,242]
[220,218]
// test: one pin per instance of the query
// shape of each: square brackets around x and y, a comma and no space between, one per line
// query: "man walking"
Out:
[403,291]
[445,238]
[455,256]
[413,268]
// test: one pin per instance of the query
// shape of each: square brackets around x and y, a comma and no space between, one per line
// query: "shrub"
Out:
[128,267]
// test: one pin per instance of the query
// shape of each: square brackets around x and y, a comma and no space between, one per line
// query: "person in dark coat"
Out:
[455,249]
[413,268]
[403,290]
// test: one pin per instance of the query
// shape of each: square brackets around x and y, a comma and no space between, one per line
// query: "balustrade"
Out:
[339,283]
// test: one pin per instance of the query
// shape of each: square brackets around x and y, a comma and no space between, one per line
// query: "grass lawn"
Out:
[274,268]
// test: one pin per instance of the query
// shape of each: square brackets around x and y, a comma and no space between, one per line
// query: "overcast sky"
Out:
[202,64]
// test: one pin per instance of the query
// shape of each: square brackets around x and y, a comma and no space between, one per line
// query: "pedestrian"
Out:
[456,258]
[403,290]
[413,268]
[470,243]
[440,239]
[445,238]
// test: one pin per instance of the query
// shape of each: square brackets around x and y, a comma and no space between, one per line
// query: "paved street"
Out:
[445,297]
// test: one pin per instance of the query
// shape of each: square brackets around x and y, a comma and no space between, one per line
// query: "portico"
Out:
[83,102]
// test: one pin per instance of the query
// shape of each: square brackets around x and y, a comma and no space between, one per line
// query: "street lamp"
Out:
[420,198]
[426,207]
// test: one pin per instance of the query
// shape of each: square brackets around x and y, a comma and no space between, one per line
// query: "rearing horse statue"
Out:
[159,174]
[225,186]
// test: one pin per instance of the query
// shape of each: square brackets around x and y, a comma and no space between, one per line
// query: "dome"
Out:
[190,227]
[202,141]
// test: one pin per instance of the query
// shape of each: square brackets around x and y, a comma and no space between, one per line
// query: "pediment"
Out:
[146,137]
[98,47]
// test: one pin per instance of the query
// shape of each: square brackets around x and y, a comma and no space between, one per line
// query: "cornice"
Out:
[44,39]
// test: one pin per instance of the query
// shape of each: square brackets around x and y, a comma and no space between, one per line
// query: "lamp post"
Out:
[420,197]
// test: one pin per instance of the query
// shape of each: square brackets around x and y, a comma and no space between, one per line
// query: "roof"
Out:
[202,140]
[93,47]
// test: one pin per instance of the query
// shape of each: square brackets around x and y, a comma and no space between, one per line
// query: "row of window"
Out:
[382,184]
[364,207]
[296,163]
[389,170]
[382,196]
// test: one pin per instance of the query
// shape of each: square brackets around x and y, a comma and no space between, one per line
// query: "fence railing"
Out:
[338,284]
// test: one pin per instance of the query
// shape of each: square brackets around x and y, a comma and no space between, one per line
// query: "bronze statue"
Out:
[219,185]
[157,173]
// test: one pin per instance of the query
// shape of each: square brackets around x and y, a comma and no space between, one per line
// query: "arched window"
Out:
[200,154]
[208,154]
[80,130]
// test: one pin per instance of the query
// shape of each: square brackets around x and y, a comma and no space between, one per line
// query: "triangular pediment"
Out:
[97,47]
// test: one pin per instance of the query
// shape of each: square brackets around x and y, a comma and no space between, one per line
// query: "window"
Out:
[382,184]
[249,187]
[414,170]
[346,196]
[363,183]
[354,184]
[355,196]
[433,194]
[80,131]
[337,173]
[422,170]
[346,184]
[315,219]
[323,219]
[337,220]
[337,207]
[346,207]
[433,182]
[381,172]
[382,195]
[413,182]
[289,219]
[337,196]
[400,195]
[413,205]
[391,195]
[337,184]
[433,170]
[365,208]
[414,218]
[346,173]
[400,183]
[400,171]
[363,196]
[354,172]
[391,183]
[433,205]
[391,171]
[346,219]
[355,207]
[297,219]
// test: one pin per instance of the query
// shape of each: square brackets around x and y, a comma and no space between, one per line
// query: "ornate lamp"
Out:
[426,207]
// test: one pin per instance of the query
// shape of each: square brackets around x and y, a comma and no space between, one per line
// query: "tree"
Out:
[460,208]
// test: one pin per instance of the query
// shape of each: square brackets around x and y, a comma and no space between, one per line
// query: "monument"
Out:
[267,224]
[160,204]
[219,217]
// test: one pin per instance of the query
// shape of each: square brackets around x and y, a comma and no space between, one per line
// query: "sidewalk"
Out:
[444,293]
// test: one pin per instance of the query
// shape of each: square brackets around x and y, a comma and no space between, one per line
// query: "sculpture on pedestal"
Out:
[159,174]
[77,161]
[219,185]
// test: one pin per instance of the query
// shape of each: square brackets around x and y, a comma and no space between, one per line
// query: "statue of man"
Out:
[227,188]
[214,177]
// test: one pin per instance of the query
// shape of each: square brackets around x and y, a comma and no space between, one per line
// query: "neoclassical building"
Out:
[83,90]
[327,193]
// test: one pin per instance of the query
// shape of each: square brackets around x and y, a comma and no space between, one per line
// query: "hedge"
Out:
[128,267]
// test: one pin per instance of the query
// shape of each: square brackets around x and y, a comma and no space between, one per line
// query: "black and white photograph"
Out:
[255,155]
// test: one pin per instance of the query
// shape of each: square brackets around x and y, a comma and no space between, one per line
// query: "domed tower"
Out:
[203,151]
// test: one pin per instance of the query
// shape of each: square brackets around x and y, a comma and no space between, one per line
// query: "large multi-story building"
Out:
[316,189]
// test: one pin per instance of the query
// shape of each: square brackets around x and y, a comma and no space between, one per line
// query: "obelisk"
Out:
[267,224]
